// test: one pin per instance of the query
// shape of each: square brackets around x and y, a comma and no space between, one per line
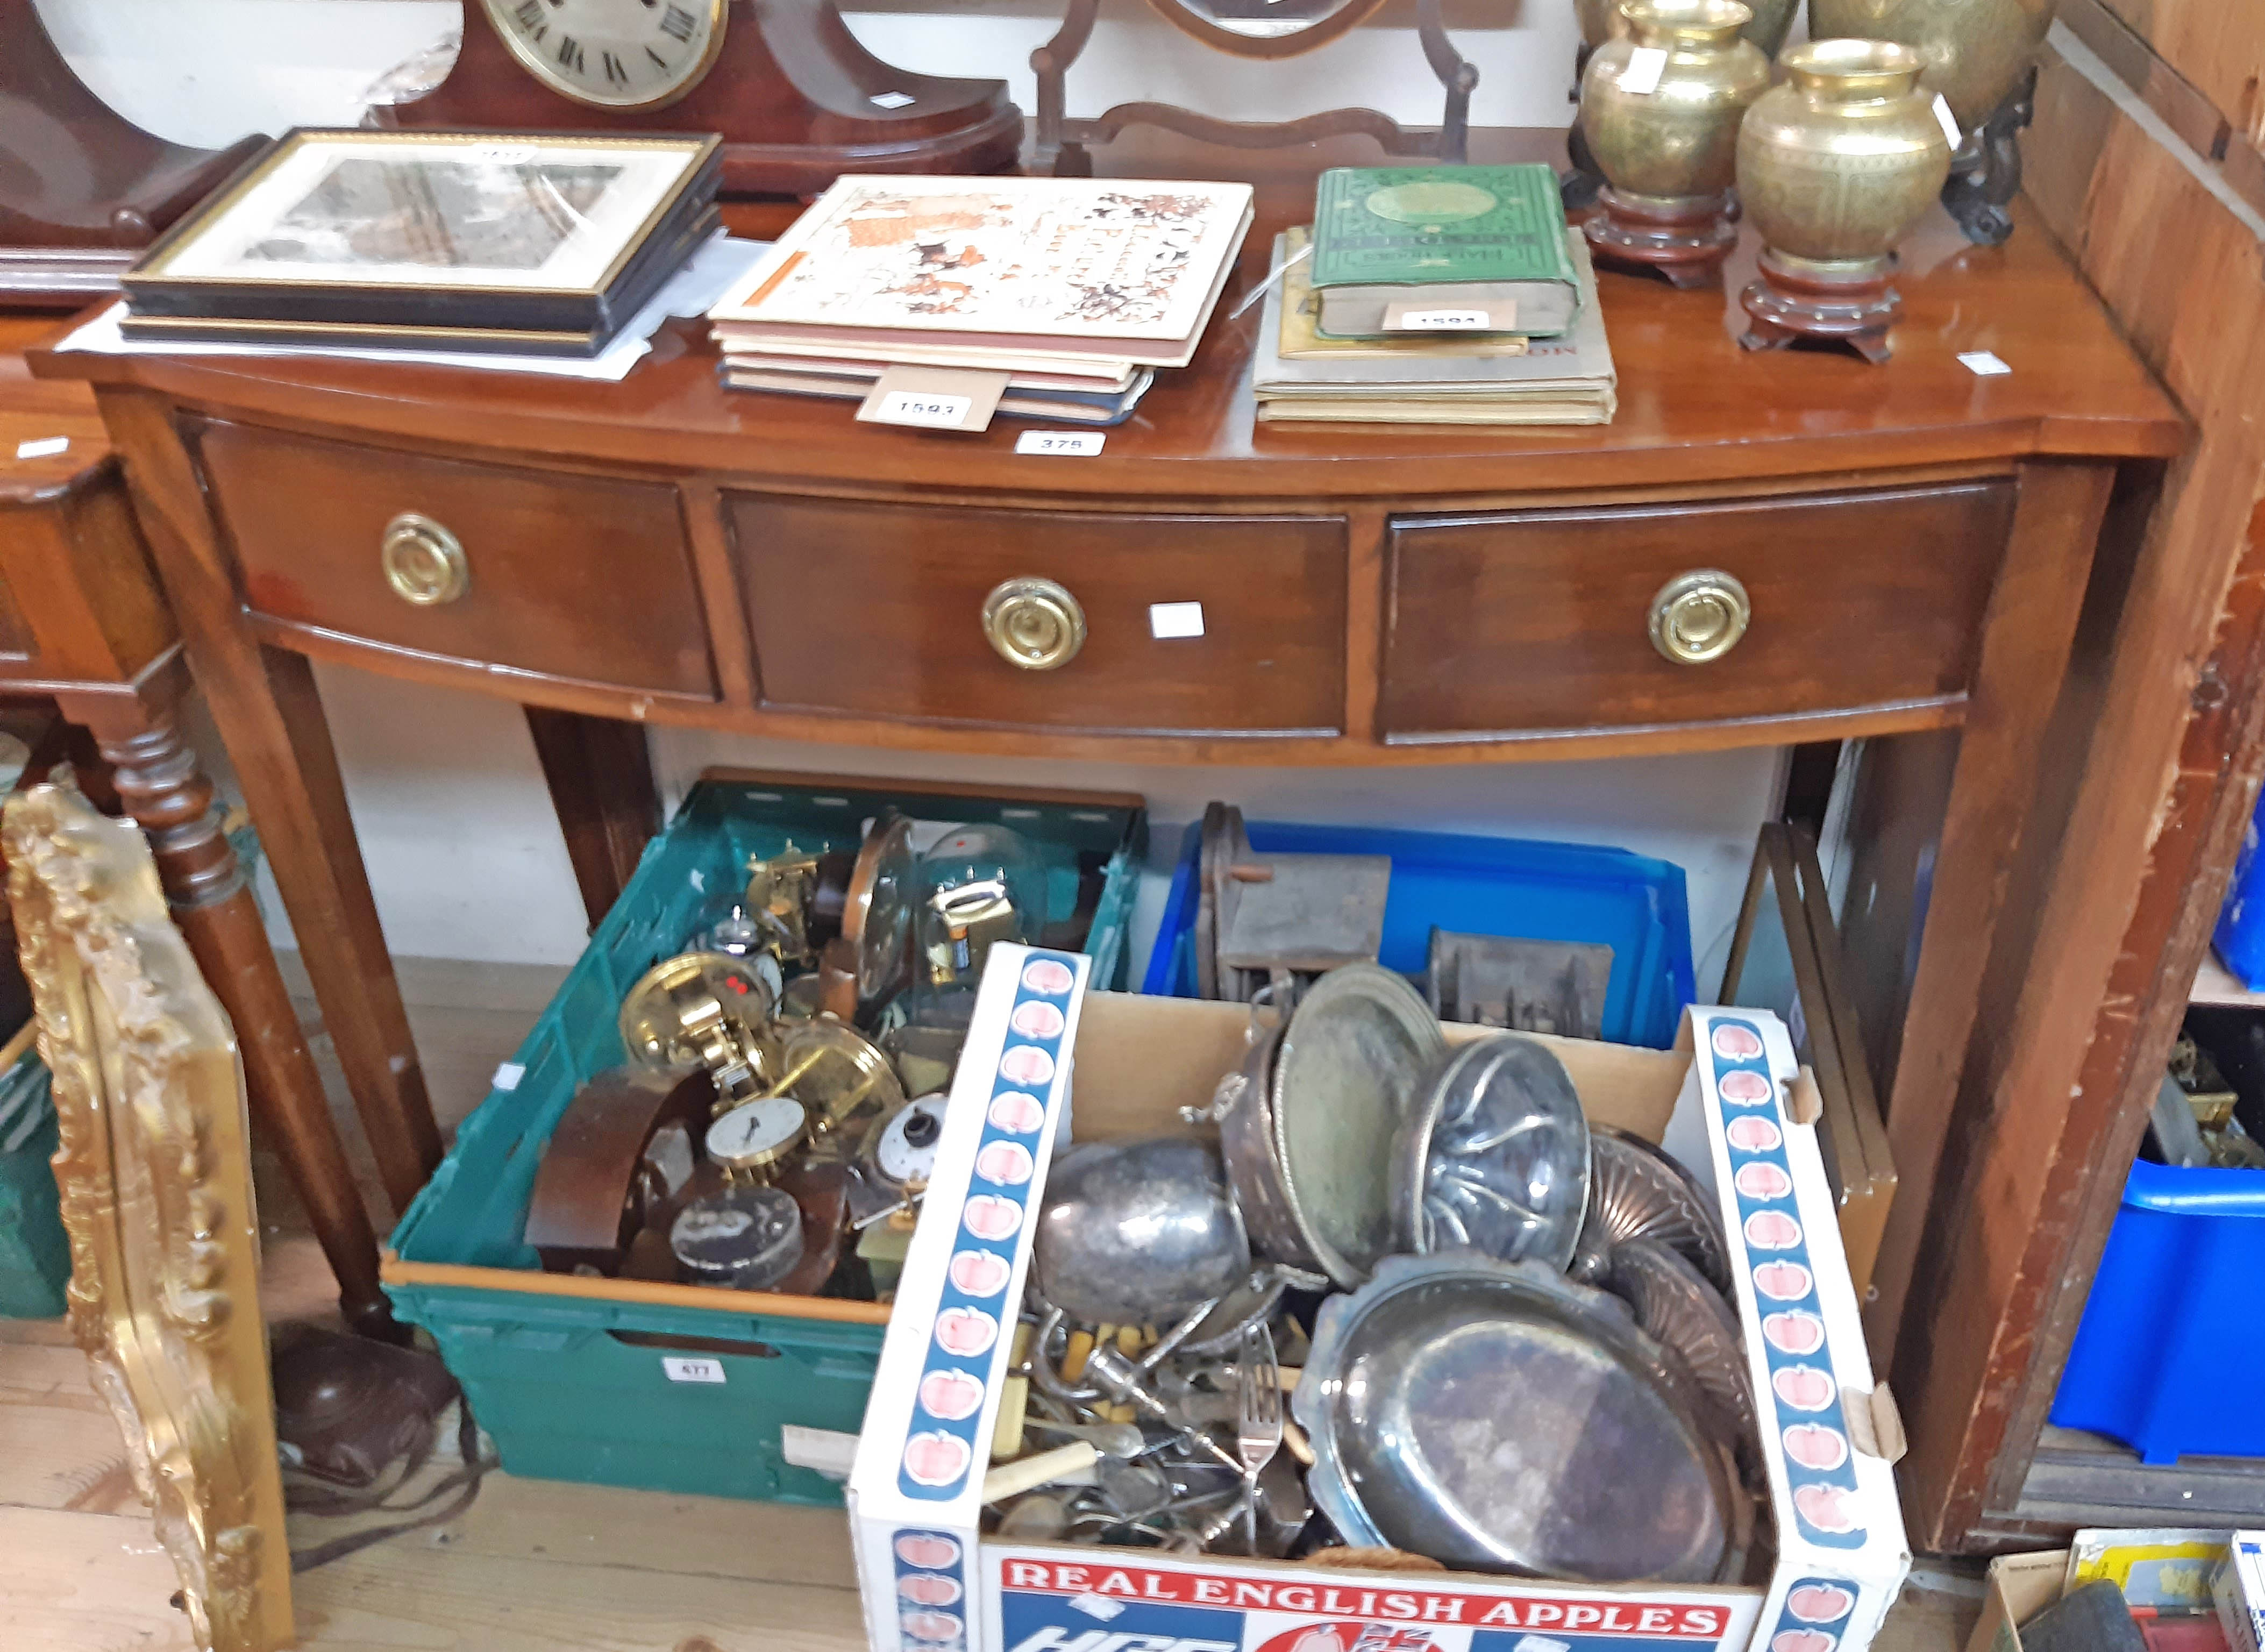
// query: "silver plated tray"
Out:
[1245,1108]
[1351,1057]
[1637,1192]
[1496,1419]
[1679,1310]
[1493,1156]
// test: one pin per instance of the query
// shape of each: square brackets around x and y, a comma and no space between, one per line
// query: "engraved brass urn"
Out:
[1601,20]
[1835,165]
[1666,133]
[1981,55]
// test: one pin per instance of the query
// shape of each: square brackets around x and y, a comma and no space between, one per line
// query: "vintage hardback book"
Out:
[995,271]
[1465,248]
[1302,338]
[1563,380]
[1054,406]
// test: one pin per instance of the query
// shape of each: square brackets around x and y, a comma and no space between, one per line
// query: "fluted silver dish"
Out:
[1676,1307]
[1637,1192]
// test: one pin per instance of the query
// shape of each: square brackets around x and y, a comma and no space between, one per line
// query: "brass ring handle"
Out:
[1698,616]
[1034,625]
[423,562]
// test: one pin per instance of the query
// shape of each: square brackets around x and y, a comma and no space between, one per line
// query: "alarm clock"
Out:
[796,100]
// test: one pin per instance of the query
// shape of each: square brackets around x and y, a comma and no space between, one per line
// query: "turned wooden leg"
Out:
[264,701]
[601,778]
[158,780]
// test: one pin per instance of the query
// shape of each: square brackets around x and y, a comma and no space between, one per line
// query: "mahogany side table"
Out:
[1913,544]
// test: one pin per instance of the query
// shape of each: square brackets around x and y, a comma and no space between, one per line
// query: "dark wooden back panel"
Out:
[1540,619]
[578,577]
[877,609]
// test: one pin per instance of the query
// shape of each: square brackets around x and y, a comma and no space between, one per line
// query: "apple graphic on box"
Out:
[1007,1163]
[926,1548]
[1825,1507]
[1799,1332]
[1772,1230]
[979,1272]
[1013,1111]
[1803,1641]
[1736,1043]
[1753,1135]
[1763,1181]
[952,1394]
[931,1626]
[1035,1020]
[1813,1445]
[1782,1281]
[1820,1602]
[926,1589]
[1026,1064]
[988,1216]
[936,1460]
[1804,1387]
[1048,976]
[965,1331]
[1747,1090]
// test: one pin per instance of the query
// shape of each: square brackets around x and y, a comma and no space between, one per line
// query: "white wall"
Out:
[462,849]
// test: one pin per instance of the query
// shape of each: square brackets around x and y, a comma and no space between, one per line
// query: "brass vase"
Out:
[1976,50]
[1765,30]
[1668,153]
[1835,165]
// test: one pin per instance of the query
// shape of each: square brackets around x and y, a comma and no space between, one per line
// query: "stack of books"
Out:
[1451,296]
[1045,298]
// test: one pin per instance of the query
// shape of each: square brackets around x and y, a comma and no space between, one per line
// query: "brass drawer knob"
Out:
[1034,623]
[423,562]
[1698,616]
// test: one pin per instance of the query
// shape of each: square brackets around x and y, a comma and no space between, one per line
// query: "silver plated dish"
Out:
[1496,1419]
[1137,1233]
[1493,1156]
[1637,1192]
[1680,1311]
[1351,1057]
[1244,1107]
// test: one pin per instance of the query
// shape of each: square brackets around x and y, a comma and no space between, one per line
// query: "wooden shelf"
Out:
[2088,1479]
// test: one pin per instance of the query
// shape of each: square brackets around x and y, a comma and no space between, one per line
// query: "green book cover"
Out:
[1424,225]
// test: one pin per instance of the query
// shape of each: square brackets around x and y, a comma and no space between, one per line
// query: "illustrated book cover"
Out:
[1490,238]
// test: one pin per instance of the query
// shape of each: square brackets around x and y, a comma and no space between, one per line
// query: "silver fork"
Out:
[1258,1413]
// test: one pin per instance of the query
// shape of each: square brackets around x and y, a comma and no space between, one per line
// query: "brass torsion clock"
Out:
[613,53]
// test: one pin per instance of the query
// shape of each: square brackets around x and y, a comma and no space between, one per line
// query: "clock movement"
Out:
[797,99]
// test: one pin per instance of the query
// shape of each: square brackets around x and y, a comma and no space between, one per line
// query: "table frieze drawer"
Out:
[1045,618]
[579,579]
[1641,616]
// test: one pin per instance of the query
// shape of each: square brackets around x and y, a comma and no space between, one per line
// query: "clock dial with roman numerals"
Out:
[613,54]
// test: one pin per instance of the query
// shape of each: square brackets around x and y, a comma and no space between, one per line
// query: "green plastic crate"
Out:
[569,1374]
[35,1255]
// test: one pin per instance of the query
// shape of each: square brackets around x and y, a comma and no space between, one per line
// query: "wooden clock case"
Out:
[793,96]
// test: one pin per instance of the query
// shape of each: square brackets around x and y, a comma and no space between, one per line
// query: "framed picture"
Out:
[525,232]
[1785,957]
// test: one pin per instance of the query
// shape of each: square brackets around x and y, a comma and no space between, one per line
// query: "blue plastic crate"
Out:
[1507,887]
[2174,1317]
[2240,936]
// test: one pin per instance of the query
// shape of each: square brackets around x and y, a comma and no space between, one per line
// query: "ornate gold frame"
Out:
[156,1177]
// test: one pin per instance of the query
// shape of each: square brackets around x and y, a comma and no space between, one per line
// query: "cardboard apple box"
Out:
[1047,1062]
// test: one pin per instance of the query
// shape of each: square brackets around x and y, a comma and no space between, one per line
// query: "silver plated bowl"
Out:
[1493,1156]
[1680,1311]
[1136,1233]
[1498,1419]
[1637,1192]
[1351,1057]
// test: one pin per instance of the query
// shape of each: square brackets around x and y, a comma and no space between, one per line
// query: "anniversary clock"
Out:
[797,101]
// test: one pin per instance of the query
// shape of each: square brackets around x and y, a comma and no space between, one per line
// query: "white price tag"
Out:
[692,1370]
[507,1075]
[891,100]
[1443,321]
[1066,444]
[1169,620]
[1948,121]
[925,407]
[505,154]
[1984,363]
[1645,65]
[46,448]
